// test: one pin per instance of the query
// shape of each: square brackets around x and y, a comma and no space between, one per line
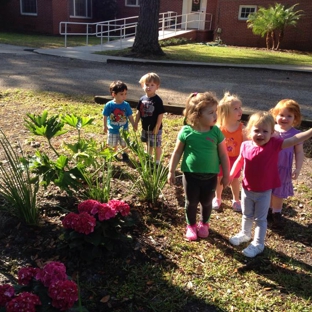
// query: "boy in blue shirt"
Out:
[116,114]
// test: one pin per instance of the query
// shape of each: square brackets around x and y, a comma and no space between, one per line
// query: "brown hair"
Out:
[117,86]
[292,106]
[150,77]
[195,104]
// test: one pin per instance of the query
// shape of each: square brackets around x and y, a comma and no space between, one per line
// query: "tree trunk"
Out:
[146,39]
[280,38]
[267,40]
[273,39]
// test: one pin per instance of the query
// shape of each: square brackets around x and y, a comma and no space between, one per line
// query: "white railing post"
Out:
[87,39]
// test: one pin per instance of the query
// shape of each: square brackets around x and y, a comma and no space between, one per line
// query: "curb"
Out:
[177,109]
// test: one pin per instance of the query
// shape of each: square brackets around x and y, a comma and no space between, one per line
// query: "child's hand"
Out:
[295,174]
[230,180]
[155,130]
[171,178]
[105,129]
[135,127]
[225,181]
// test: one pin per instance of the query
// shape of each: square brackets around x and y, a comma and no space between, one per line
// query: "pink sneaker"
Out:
[191,233]
[202,229]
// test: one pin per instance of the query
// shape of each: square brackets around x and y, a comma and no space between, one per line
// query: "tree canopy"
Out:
[271,22]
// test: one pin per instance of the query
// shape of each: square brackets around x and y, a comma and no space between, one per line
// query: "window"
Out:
[244,11]
[195,5]
[28,7]
[81,8]
[132,2]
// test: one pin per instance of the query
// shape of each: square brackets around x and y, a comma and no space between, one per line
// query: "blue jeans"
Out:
[255,207]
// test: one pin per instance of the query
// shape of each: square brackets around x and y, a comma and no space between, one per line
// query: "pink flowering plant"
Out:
[96,225]
[46,289]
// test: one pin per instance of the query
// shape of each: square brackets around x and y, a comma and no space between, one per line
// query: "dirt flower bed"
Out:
[157,269]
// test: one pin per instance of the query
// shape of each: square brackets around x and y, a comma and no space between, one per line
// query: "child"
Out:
[259,158]
[116,114]
[287,116]
[203,147]
[229,116]
[150,110]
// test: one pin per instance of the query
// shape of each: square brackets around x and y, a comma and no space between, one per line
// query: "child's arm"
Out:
[105,124]
[225,163]
[159,121]
[174,160]
[239,162]
[299,156]
[297,138]
[137,118]
[131,119]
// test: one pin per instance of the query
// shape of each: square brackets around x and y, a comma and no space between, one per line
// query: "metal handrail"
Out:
[124,27]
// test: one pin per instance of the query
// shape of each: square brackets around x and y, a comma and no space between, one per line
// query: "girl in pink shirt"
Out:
[258,158]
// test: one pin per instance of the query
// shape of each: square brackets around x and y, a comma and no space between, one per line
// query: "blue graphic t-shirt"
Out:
[117,116]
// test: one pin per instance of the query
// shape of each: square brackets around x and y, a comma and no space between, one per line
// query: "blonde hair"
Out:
[292,106]
[150,77]
[195,104]
[260,119]
[224,108]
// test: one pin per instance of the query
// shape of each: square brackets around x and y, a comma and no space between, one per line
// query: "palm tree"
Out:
[266,22]
[286,17]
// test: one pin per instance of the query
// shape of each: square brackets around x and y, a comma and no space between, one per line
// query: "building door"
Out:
[197,18]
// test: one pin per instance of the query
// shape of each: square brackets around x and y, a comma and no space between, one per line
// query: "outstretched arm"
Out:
[174,160]
[239,162]
[297,138]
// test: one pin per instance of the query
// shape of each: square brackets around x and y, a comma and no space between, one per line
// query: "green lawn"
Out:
[192,52]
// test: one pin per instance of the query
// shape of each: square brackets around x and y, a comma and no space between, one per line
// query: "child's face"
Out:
[150,88]
[261,134]
[120,96]
[208,117]
[285,119]
[236,111]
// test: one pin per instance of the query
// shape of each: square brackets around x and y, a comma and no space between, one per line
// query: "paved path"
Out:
[78,70]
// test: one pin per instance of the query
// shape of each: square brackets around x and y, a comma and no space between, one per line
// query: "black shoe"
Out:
[125,157]
[277,220]
[269,216]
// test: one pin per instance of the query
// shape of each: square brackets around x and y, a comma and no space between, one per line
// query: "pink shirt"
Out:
[260,165]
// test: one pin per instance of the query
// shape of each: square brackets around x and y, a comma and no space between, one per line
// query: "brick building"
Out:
[228,17]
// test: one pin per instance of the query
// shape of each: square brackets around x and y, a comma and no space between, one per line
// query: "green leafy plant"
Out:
[96,227]
[17,185]
[85,164]
[152,176]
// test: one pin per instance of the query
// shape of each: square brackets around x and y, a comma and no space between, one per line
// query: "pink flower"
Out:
[70,220]
[85,224]
[120,206]
[51,273]
[25,275]
[6,294]
[24,302]
[88,205]
[63,294]
[105,212]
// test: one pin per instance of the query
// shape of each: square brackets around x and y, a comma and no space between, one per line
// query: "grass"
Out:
[175,275]
[191,52]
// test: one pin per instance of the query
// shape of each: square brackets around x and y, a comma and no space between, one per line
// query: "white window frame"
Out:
[28,13]
[241,7]
[88,15]
[132,5]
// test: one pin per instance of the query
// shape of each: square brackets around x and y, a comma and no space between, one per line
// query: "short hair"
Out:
[195,104]
[117,86]
[260,118]
[225,106]
[292,106]
[150,77]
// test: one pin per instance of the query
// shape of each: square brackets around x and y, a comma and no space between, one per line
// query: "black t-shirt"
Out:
[150,109]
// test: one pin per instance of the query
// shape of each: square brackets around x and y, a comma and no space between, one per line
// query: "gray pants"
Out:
[255,206]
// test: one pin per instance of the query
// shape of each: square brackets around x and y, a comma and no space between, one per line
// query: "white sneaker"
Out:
[239,239]
[252,250]
[216,203]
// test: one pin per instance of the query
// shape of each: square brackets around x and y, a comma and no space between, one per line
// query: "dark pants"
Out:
[198,191]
